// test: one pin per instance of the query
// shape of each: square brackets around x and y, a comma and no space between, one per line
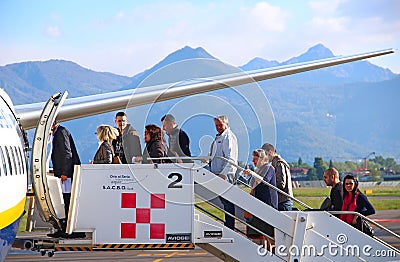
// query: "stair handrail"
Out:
[254,174]
[367,219]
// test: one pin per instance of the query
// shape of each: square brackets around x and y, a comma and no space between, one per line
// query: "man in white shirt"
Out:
[224,145]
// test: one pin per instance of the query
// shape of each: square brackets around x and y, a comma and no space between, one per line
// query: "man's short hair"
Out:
[268,147]
[120,114]
[168,118]
[332,172]
[223,119]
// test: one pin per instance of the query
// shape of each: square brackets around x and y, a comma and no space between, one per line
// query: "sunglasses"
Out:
[348,184]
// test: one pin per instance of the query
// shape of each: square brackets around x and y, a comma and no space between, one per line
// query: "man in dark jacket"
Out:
[283,177]
[63,156]
[127,144]
[331,178]
[178,140]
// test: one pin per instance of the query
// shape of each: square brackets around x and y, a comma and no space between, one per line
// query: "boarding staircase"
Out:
[299,235]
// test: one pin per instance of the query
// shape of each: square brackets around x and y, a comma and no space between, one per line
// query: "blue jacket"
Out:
[264,192]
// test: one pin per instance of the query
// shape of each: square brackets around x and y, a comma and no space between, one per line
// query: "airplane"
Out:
[15,120]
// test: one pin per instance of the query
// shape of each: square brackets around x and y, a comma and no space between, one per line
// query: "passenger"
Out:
[331,178]
[63,156]
[105,154]
[224,145]
[283,177]
[356,201]
[178,140]
[127,144]
[155,147]
[264,193]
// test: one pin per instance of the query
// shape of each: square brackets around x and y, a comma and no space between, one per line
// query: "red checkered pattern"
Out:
[143,216]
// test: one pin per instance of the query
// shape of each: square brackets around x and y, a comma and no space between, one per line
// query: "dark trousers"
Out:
[229,208]
[67,200]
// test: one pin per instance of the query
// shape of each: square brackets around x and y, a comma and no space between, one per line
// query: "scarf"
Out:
[349,205]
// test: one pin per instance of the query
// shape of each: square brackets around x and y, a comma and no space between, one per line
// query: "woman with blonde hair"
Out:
[106,134]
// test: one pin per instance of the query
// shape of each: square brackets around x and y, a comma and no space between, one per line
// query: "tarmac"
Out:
[387,218]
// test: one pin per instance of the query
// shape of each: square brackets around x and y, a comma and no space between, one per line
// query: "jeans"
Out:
[285,205]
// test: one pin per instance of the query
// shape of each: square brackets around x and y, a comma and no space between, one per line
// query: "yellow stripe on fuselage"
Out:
[10,215]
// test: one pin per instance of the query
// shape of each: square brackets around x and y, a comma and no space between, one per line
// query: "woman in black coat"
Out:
[155,146]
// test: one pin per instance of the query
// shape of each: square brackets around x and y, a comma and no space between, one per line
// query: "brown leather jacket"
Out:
[104,154]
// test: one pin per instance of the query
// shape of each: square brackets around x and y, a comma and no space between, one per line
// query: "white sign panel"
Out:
[134,203]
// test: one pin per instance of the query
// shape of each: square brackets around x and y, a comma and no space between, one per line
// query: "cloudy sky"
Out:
[126,37]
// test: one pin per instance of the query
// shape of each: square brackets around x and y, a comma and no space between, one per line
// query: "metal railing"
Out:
[254,174]
[261,179]
[369,221]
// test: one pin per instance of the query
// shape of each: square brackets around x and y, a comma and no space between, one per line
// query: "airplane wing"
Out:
[79,107]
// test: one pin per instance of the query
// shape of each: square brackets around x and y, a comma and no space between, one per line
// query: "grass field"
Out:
[382,198]
[323,192]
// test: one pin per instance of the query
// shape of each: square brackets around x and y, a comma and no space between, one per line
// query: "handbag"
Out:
[367,228]
[364,227]
[326,205]
[116,160]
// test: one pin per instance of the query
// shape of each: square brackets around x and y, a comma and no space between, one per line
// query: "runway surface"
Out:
[154,255]
[387,218]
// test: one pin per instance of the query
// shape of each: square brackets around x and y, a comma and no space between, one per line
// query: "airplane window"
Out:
[17,161]
[3,162]
[9,161]
[13,160]
[9,166]
[22,160]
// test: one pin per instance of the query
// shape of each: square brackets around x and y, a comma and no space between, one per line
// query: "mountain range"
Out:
[340,113]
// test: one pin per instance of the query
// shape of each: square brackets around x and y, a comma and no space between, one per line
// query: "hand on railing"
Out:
[247,172]
[261,179]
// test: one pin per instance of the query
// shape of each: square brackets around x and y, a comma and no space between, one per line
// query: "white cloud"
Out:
[328,25]
[325,7]
[53,31]
[120,15]
[264,16]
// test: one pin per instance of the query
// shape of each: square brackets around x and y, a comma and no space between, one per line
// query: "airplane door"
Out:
[39,156]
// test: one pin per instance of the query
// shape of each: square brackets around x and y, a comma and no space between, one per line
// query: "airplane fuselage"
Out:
[13,174]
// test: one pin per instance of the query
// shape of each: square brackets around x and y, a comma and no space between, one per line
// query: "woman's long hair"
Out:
[355,189]
[154,131]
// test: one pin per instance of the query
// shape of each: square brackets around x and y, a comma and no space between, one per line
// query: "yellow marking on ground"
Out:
[195,253]
[172,254]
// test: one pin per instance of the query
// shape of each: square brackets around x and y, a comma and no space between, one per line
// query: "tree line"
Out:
[374,166]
